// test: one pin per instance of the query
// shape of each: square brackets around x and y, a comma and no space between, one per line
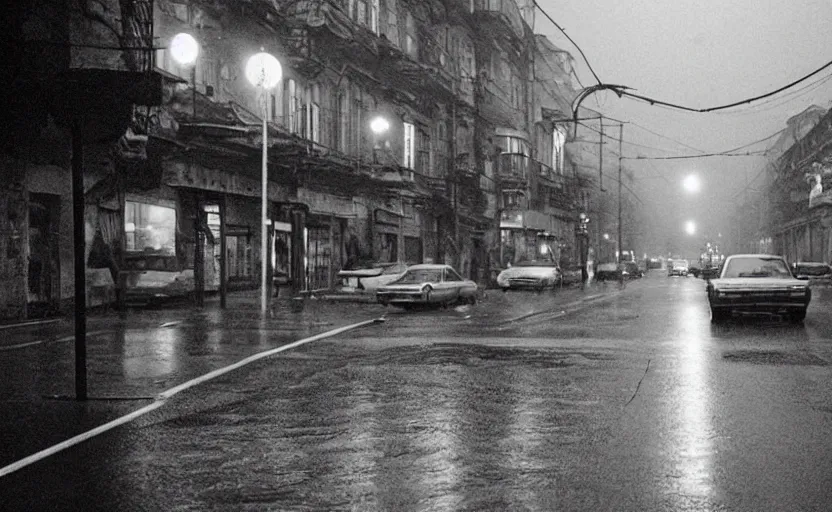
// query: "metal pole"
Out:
[455,177]
[223,251]
[601,156]
[80,270]
[193,89]
[264,206]
[620,158]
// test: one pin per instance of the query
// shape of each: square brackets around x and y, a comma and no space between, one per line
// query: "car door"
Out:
[461,287]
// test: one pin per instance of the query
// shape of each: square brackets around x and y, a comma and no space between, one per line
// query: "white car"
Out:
[534,274]
[367,280]
[428,284]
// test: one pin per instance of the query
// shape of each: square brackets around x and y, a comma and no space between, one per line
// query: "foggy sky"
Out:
[699,54]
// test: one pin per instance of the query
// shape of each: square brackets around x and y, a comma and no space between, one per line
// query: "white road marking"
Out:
[164,396]
[59,340]
[28,324]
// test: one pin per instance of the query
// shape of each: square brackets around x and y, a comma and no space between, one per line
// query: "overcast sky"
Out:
[699,54]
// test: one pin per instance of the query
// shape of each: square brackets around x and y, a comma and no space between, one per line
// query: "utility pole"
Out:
[455,178]
[601,156]
[620,158]
[80,313]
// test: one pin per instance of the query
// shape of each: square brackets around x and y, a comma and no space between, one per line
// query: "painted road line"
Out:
[59,340]
[562,307]
[163,397]
[29,324]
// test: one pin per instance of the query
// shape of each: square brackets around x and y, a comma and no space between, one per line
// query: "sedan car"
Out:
[677,268]
[366,280]
[631,270]
[608,272]
[758,283]
[428,284]
[817,273]
[535,274]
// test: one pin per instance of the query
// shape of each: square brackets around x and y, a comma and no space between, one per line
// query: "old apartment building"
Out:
[414,131]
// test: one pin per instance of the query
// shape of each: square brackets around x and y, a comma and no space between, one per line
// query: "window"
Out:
[451,275]
[238,252]
[423,163]
[512,199]
[411,47]
[293,119]
[409,146]
[558,149]
[206,71]
[313,114]
[374,8]
[150,229]
[515,145]
[392,30]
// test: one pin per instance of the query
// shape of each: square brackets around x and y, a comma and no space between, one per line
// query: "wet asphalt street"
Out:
[629,401]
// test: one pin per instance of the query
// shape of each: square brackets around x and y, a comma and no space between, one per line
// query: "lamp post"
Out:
[263,71]
[185,50]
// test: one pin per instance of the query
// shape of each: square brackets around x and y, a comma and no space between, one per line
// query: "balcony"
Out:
[504,10]
[515,168]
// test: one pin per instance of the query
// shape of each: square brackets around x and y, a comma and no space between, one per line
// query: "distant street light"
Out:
[185,50]
[691,183]
[690,227]
[263,70]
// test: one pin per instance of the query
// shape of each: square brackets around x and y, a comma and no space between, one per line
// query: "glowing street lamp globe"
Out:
[690,227]
[379,125]
[184,49]
[691,183]
[263,70]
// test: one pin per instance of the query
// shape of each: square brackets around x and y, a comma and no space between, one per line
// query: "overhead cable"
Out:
[685,157]
[555,23]
[653,101]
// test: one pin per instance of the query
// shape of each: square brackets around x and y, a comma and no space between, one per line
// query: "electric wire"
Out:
[653,101]
[555,23]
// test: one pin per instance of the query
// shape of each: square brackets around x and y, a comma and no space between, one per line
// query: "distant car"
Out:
[534,274]
[631,270]
[427,284]
[758,283]
[816,272]
[366,280]
[677,268]
[654,263]
[607,272]
[694,270]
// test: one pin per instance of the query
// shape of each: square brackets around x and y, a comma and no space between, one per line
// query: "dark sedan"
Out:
[816,272]
[758,283]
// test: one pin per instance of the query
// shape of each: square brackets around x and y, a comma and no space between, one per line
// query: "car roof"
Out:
[759,255]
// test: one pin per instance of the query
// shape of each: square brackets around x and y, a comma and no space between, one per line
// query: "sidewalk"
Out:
[132,358]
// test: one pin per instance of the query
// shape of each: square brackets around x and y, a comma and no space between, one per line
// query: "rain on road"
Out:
[634,402]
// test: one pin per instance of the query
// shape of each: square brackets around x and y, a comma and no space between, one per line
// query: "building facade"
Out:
[464,167]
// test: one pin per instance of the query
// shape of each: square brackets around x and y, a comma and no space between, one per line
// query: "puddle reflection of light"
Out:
[694,435]
[157,359]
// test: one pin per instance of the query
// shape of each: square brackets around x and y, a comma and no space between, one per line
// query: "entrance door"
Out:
[44,259]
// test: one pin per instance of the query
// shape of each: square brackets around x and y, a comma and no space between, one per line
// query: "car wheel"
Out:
[472,300]
[797,317]
[428,295]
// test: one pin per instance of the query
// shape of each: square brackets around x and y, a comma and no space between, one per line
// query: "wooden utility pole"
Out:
[601,156]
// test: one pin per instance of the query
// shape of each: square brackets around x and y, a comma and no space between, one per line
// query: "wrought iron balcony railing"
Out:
[507,10]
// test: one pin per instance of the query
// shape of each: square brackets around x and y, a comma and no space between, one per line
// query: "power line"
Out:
[684,157]
[555,23]
[653,101]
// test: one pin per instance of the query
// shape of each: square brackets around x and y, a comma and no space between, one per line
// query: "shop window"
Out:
[149,229]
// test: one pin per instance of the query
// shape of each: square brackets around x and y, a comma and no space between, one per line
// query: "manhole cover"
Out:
[774,357]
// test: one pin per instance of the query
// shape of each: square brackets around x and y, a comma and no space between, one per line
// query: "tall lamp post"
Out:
[263,70]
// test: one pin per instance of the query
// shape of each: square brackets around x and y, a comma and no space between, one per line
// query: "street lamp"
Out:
[690,227]
[691,183]
[378,126]
[185,50]
[263,71]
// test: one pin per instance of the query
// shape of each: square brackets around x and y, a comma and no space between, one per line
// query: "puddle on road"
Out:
[774,357]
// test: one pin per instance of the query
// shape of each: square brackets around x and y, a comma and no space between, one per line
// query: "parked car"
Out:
[535,274]
[816,272]
[607,272]
[758,283]
[367,280]
[428,284]
[695,270]
[677,268]
[631,270]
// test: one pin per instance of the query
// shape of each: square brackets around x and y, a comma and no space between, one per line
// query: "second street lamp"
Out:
[263,70]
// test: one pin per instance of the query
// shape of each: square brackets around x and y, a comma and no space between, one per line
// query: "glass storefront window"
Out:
[150,229]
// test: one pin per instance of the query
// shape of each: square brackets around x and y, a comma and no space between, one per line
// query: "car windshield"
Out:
[757,267]
[680,264]
[421,275]
[536,263]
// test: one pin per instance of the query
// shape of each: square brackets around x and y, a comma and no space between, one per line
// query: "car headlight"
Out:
[502,280]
